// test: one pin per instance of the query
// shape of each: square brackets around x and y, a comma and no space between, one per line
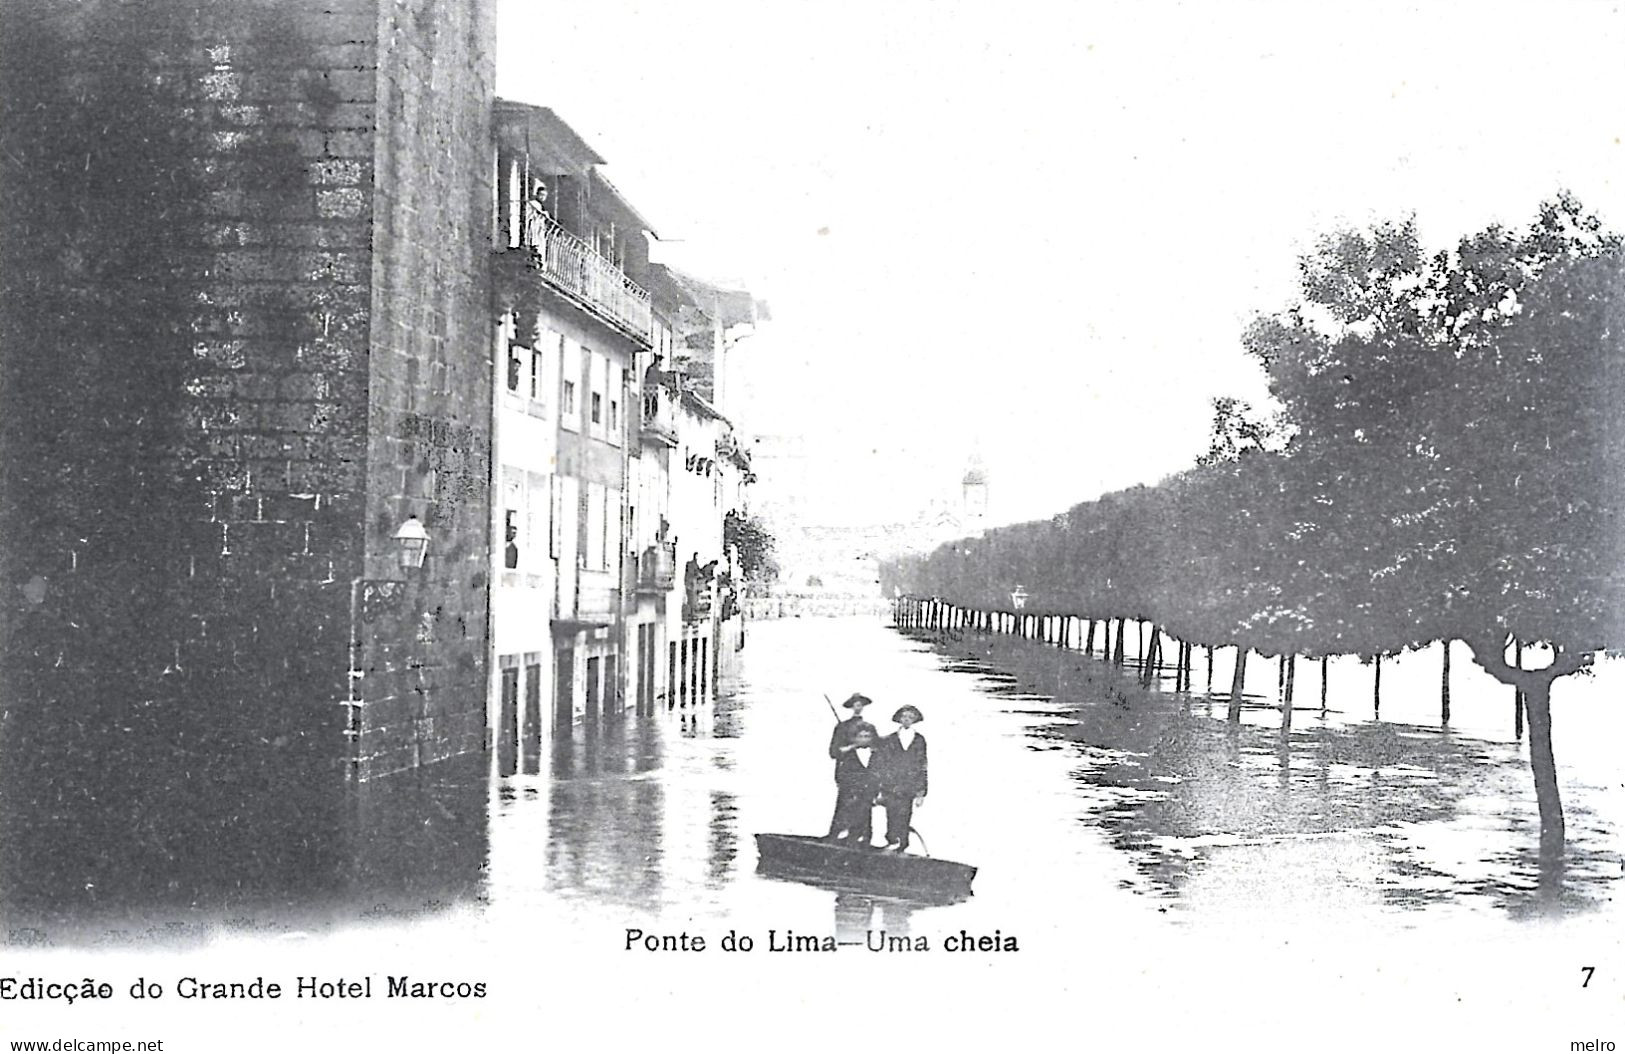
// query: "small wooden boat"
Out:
[859,867]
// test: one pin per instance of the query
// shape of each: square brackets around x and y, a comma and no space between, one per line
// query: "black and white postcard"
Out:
[748,526]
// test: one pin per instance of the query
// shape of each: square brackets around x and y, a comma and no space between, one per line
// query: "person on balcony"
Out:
[900,771]
[843,743]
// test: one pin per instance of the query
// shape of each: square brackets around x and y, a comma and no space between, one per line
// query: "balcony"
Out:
[571,266]
[659,429]
[657,568]
[698,603]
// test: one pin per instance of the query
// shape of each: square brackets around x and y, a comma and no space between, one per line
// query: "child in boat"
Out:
[855,790]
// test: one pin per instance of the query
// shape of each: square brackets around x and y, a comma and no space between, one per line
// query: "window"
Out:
[570,374]
[597,385]
[614,416]
[513,525]
[516,357]
[555,534]
[536,359]
[511,236]
[594,558]
[538,507]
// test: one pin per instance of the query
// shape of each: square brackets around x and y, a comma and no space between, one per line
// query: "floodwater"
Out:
[1064,784]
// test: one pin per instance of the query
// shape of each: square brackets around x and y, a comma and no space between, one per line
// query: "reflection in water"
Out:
[724,838]
[1062,781]
[857,914]
[1178,791]
[858,911]
[606,814]
[116,856]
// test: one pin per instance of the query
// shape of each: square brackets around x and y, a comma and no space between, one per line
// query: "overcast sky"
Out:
[1035,231]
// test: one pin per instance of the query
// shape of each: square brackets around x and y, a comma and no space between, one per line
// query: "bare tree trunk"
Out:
[1535,692]
[1148,668]
[1118,661]
[1324,669]
[1538,705]
[1376,691]
[1089,641]
[1291,678]
[1209,648]
[1517,693]
[1444,687]
[1238,683]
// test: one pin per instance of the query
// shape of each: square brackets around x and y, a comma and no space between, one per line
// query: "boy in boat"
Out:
[855,790]
[900,770]
[842,742]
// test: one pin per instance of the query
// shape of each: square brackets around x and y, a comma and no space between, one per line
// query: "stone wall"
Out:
[431,374]
[245,331]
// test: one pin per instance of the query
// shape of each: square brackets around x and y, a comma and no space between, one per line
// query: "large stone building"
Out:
[247,339]
[246,329]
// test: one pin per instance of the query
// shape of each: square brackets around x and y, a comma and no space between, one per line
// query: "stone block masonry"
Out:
[244,331]
[429,436]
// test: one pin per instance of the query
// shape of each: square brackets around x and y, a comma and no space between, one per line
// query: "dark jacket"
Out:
[847,732]
[850,770]
[899,771]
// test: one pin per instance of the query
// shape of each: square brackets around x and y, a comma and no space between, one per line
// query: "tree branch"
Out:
[1490,653]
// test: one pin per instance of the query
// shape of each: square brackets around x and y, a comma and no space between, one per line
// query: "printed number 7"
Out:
[1588,971]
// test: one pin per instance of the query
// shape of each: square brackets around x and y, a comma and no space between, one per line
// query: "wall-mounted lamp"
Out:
[1019,598]
[413,542]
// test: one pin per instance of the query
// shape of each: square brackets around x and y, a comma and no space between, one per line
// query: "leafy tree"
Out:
[1446,464]
[754,544]
[1239,429]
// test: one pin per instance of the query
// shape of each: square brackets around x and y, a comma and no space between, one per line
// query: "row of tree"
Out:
[1445,464]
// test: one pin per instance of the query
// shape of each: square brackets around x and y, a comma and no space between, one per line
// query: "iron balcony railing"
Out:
[573,266]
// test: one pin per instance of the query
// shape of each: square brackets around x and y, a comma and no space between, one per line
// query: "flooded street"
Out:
[1146,803]
[1073,791]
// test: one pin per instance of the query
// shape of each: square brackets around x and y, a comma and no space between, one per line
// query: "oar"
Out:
[915,831]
